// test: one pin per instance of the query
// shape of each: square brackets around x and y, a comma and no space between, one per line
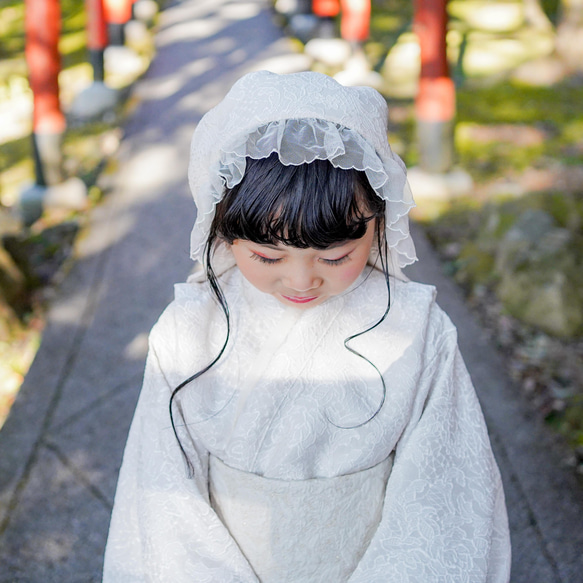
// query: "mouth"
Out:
[299,299]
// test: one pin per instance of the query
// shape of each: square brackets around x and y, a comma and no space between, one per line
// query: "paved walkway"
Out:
[62,444]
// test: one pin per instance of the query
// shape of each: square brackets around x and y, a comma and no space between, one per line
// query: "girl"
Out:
[305,415]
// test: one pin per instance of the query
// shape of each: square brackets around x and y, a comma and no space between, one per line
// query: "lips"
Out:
[299,299]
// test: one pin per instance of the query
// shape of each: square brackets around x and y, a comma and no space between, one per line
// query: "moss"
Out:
[474,265]
[573,131]
[497,221]
[563,207]
[570,421]
[496,158]
[492,149]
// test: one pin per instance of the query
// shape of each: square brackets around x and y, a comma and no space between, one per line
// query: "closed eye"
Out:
[338,261]
[263,259]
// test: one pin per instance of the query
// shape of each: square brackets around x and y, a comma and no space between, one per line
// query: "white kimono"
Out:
[287,402]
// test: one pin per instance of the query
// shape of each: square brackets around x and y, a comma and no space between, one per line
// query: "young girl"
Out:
[306,415]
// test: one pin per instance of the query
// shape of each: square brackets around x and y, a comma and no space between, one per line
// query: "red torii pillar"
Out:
[96,36]
[117,14]
[43,27]
[354,20]
[435,102]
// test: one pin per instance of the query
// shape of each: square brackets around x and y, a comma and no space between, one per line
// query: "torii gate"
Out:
[43,28]
[435,102]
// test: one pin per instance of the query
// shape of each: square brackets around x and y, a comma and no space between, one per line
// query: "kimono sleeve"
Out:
[444,516]
[163,528]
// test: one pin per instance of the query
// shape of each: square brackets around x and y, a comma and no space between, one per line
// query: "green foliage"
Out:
[551,8]
[402,132]
[11,28]
[565,207]
[485,160]
[559,105]
[474,265]
[13,35]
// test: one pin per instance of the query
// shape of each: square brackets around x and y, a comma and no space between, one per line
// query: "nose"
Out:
[302,279]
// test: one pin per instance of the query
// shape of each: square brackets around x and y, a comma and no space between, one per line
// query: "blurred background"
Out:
[485,109]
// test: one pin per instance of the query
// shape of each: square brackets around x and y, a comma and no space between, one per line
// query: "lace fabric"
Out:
[302,117]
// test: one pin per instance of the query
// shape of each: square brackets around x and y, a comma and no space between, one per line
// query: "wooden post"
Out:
[43,26]
[96,36]
[435,102]
[355,20]
[355,17]
[326,8]
[117,14]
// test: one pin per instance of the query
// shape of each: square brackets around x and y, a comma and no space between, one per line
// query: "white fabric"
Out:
[302,117]
[332,520]
[443,518]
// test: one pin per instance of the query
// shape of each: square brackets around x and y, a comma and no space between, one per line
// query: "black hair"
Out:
[310,205]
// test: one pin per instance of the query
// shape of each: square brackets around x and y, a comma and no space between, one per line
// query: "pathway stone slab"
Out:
[57,533]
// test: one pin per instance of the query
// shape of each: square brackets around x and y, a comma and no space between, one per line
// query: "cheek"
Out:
[350,273]
[254,274]
[263,277]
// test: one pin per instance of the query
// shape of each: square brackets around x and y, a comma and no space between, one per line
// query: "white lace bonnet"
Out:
[302,117]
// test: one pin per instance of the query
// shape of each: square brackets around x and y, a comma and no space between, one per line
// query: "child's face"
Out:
[303,278]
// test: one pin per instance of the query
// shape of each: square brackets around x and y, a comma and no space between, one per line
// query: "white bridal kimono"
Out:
[295,479]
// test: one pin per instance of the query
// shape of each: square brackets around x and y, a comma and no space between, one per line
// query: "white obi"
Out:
[300,531]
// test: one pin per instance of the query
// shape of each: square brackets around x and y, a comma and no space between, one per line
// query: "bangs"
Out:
[312,205]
